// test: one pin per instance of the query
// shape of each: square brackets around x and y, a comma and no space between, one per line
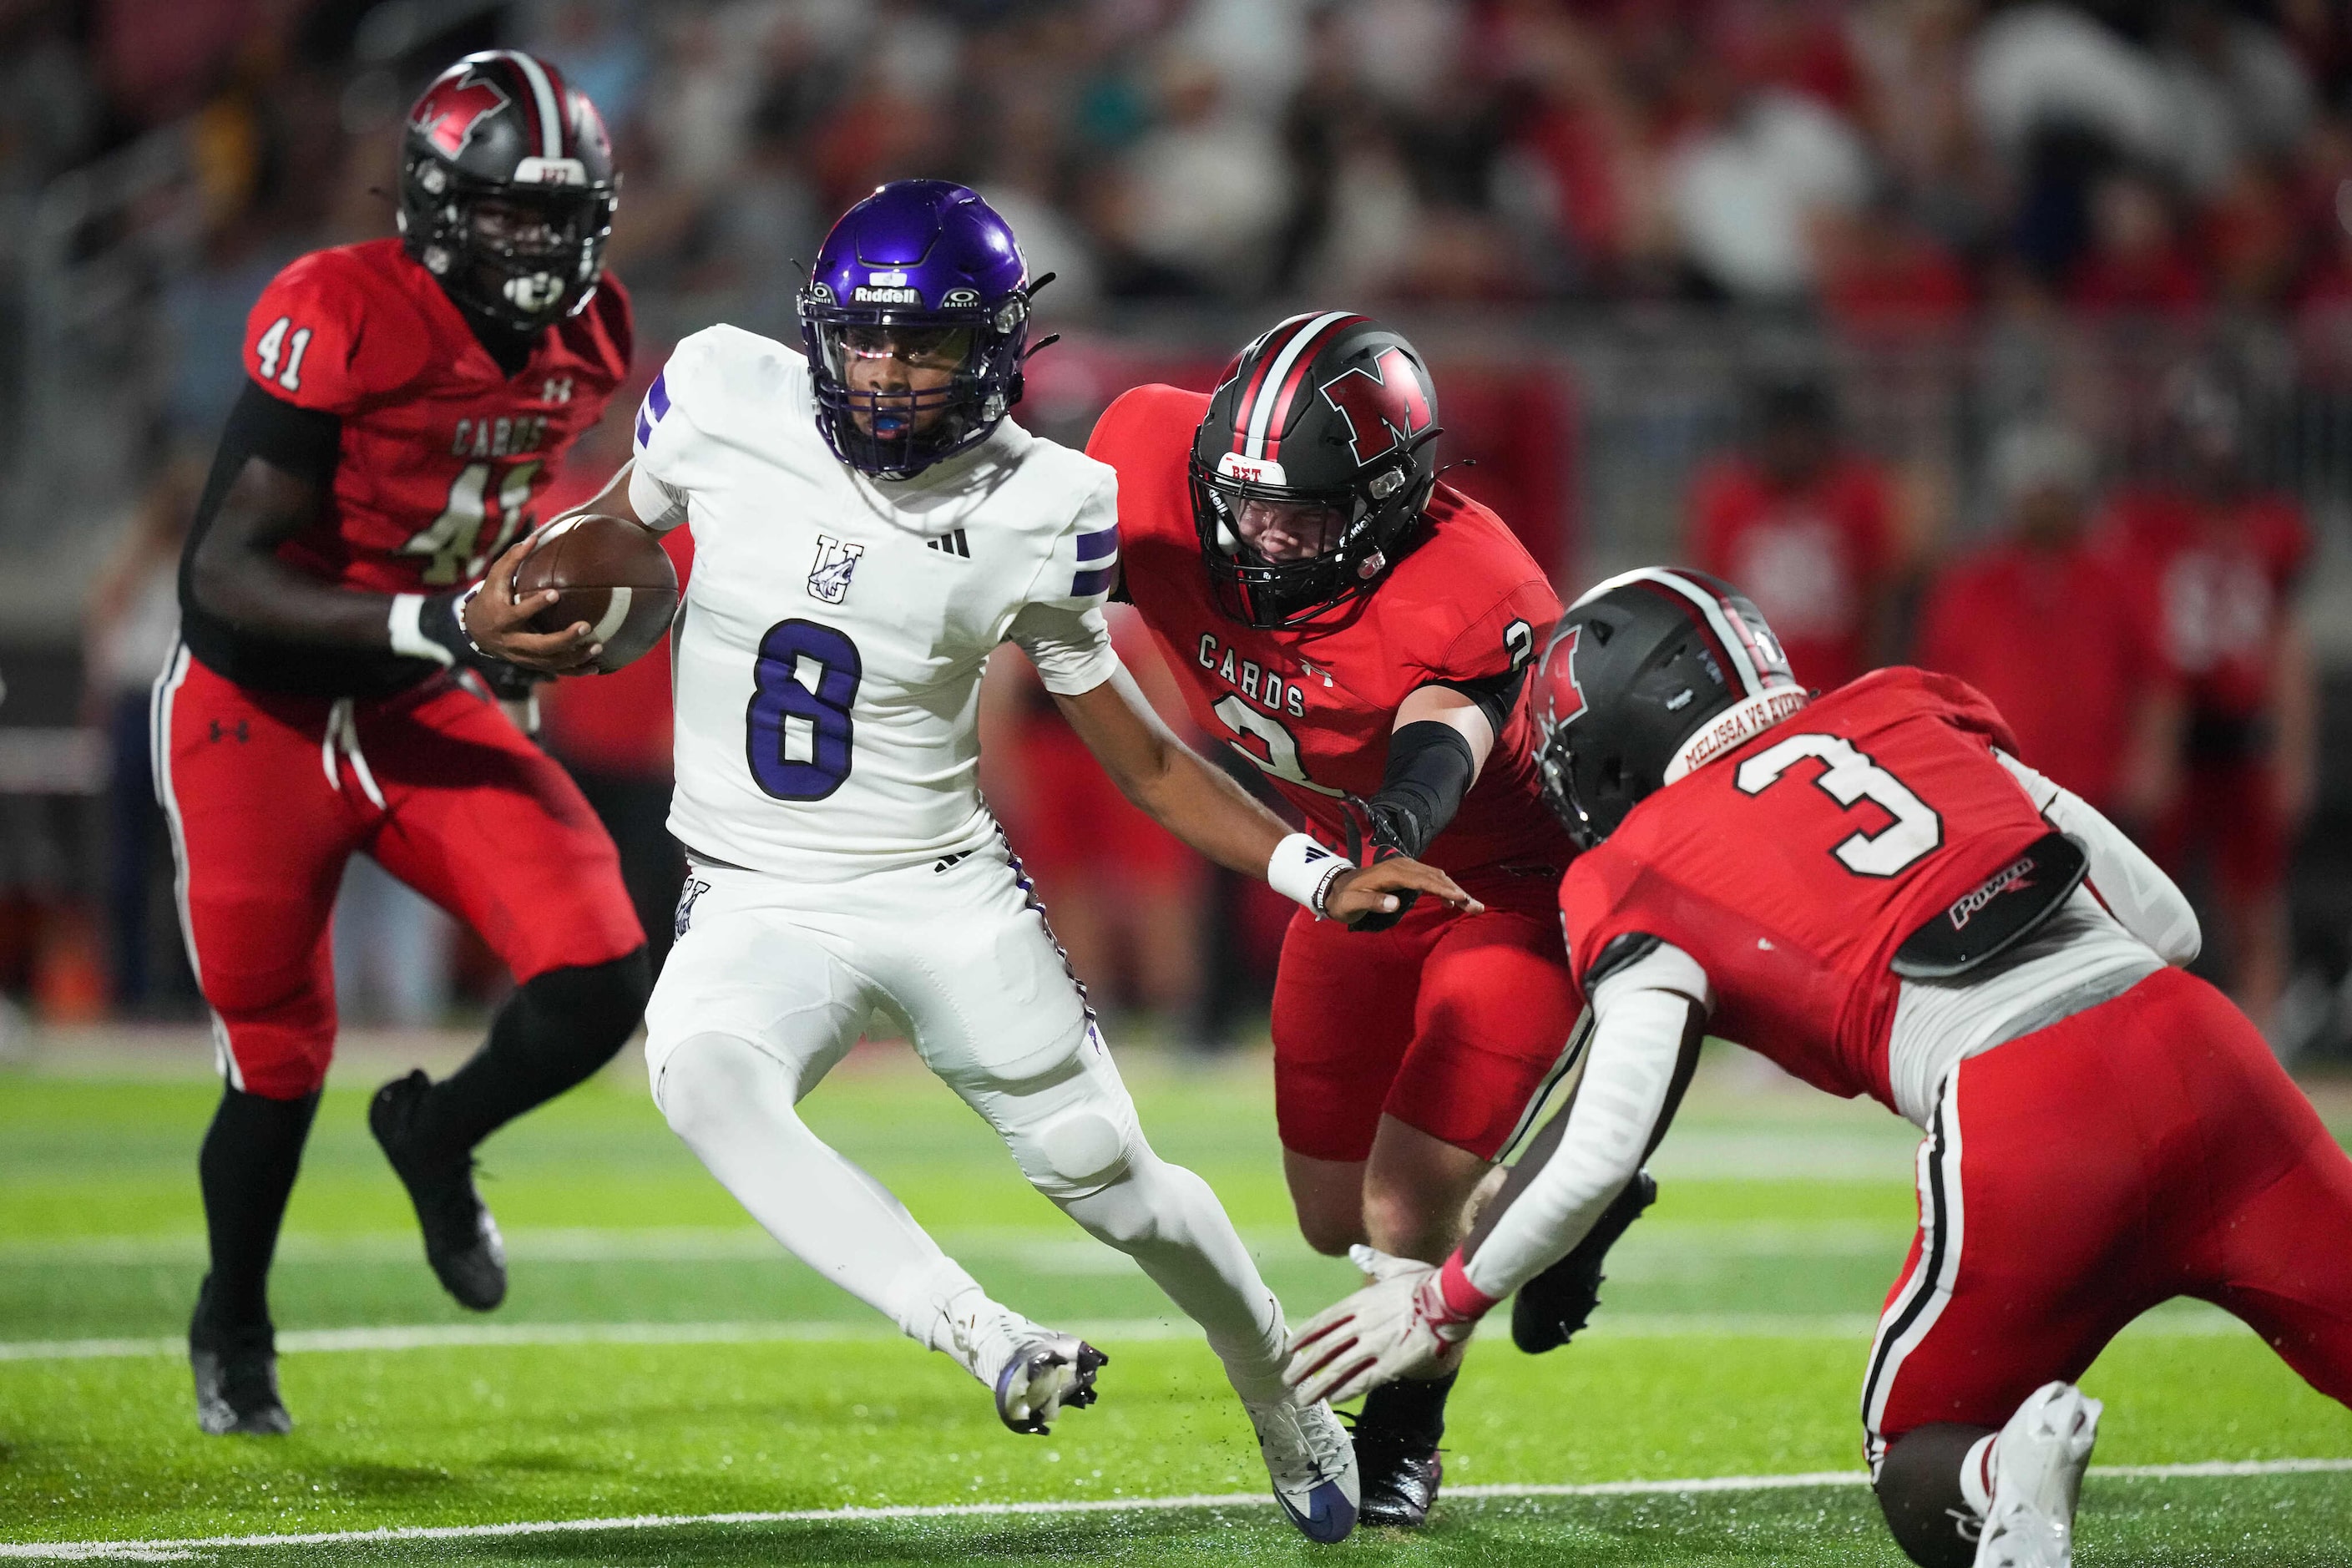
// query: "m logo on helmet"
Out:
[448,115]
[1384,406]
[1559,676]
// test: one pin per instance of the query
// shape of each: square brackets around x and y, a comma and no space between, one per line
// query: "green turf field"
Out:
[657,1357]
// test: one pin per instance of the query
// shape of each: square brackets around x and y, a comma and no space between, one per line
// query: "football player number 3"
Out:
[1848,778]
[797,727]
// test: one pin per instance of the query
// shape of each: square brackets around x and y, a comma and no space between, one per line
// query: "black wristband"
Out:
[1429,769]
[433,626]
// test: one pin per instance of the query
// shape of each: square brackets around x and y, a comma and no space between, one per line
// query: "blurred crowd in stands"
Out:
[1892,160]
[1873,167]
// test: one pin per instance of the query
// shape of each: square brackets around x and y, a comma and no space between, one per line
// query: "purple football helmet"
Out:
[926,266]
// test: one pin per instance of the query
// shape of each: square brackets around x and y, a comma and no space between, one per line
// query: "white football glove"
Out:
[1398,1324]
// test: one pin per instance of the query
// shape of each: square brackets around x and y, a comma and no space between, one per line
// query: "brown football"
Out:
[612,574]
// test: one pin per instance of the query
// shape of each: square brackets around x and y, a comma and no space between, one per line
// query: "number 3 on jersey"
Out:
[797,727]
[1850,777]
[1281,757]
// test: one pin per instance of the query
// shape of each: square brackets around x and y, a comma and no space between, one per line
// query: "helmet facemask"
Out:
[524,257]
[899,390]
[1366,524]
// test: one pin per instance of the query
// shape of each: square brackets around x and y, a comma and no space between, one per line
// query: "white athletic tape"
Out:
[179,1550]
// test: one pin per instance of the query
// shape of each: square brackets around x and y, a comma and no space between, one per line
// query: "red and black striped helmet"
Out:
[507,189]
[1327,408]
[1650,676]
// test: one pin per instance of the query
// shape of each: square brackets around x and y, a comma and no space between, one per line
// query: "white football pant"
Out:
[771,984]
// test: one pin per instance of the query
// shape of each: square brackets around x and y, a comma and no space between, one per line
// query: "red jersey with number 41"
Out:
[442,452]
[1312,706]
[1792,869]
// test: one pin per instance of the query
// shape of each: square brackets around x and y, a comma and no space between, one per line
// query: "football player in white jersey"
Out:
[869,526]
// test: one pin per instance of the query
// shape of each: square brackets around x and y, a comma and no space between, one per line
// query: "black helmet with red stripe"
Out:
[1312,467]
[1650,676]
[507,189]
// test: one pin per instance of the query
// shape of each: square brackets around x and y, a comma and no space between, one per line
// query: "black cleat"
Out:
[1551,1307]
[237,1377]
[461,1239]
[1397,1474]
[236,1394]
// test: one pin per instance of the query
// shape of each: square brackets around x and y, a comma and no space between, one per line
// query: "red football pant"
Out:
[268,794]
[1450,1023]
[2072,1179]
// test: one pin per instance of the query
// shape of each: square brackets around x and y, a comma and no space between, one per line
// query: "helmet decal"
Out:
[544,94]
[1383,405]
[448,114]
[1562,692]
[1261,415]
[1755,660]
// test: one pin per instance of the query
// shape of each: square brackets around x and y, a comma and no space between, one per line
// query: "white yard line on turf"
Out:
[2163,1323]
[171,1551]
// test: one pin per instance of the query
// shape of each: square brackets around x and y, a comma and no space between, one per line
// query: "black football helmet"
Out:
[1648,675]
[1329,409]
[507,189]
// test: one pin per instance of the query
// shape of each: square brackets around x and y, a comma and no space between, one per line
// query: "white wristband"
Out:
[1304,870]
[408,639]
[464,599]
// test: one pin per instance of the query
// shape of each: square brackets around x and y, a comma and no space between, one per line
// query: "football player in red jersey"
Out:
[1808,525]
[406,400]
[2216,560]
[1870,890]
[1361,633]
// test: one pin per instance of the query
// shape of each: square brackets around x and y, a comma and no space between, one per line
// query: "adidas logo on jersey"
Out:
[951,544]
[829,579]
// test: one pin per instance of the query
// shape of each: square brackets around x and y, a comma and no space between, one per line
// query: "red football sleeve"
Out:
[1965,708]
[318,338]
[1511,635]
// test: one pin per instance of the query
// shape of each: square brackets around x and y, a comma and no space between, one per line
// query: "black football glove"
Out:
[1551,1307]
[1373,838]
[506,682]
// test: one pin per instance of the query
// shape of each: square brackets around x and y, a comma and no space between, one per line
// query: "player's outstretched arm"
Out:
[1651,1014]
[1207,810]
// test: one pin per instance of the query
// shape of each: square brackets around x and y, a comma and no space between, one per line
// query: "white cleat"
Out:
[2041,1457]
[1313,1464]
[1042,1378]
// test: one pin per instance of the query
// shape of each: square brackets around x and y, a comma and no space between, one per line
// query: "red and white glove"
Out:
[1411,1317]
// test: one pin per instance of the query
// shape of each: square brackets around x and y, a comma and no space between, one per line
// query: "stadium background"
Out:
[1619,228]
[1606,220]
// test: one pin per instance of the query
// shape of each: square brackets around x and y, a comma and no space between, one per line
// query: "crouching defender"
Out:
[869,526]
[1870,890]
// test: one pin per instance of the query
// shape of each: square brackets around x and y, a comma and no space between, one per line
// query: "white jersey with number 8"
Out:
[828,654]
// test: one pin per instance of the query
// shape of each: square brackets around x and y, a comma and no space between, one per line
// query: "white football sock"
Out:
[733,1105]
[1169,1221]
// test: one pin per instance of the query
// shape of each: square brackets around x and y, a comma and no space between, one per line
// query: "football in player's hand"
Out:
[612,573]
